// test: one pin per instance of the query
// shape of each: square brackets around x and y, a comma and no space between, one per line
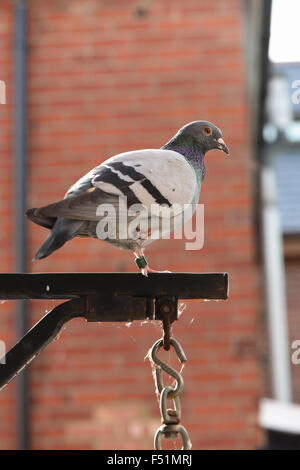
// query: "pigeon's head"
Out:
[205,135]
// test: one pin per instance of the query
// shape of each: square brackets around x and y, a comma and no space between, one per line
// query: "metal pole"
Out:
[275,288]
[20,206]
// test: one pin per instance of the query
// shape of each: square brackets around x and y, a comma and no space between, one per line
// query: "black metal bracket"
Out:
[101,297]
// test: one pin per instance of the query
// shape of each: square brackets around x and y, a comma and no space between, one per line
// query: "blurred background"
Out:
[85,80]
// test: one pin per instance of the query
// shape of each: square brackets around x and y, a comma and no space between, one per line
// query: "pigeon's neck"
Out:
[186,146]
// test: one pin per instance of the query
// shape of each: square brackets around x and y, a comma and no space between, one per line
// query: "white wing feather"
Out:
[167,170]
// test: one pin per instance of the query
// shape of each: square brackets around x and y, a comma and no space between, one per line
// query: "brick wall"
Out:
[110,76]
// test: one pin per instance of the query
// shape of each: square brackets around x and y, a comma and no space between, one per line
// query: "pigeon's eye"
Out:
[207,131]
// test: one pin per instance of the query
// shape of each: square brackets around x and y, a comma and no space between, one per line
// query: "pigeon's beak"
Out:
[222,146]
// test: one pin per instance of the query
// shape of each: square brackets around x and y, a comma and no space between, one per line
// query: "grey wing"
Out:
[82,202]
[80,207]
[37,216]
[78,213]
[73,216]
[82,199]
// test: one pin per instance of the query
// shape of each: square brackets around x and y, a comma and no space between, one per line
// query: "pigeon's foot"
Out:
[147,270]
[143,265]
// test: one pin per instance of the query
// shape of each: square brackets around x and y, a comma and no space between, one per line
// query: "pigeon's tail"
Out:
[63,230]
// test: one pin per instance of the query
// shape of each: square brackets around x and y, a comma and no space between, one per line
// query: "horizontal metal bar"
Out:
[118,308]
[68,285]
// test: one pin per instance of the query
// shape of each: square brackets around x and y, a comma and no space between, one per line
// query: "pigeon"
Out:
[119,199]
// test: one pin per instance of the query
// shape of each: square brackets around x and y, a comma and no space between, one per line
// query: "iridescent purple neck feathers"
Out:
[193,155]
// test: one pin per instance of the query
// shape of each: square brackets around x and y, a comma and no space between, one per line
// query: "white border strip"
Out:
[279,416]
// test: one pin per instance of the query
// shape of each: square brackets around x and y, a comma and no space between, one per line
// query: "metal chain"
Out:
[171,427]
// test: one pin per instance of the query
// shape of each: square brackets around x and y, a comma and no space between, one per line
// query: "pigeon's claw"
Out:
[144,272]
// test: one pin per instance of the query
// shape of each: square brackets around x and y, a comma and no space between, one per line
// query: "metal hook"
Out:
[162,366]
